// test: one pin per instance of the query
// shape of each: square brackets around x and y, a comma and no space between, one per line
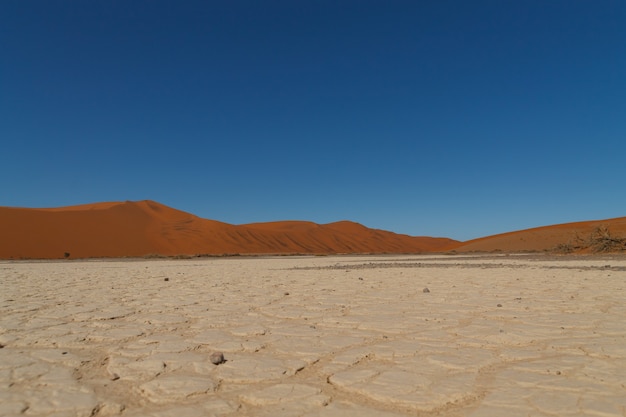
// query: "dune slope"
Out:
[588,236]
[146,227]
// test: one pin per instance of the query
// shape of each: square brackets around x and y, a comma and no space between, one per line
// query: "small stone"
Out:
[286,293]
[426,289]
[217,358]
[115,377]
[166,279]
[499,305]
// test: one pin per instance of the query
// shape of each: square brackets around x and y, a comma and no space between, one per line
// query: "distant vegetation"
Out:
[599,241]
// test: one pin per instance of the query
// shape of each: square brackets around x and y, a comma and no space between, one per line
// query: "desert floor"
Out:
[315,336]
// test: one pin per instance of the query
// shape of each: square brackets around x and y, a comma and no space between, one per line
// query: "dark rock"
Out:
[217,358]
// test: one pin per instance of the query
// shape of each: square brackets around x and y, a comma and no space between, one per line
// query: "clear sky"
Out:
[441,118]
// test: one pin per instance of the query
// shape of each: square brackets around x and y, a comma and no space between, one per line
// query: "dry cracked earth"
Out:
[315,336]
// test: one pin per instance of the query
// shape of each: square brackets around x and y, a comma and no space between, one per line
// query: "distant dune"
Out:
[580,237]
[145,228]
[129,229]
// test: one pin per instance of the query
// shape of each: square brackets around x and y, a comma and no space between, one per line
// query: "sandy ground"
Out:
[315,336]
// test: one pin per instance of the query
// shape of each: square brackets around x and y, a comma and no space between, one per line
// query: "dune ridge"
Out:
[145,228]
[130,229]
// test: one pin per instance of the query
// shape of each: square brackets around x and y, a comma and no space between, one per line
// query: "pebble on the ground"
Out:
[217,358]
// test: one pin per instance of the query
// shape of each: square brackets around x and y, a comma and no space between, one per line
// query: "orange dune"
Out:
[566,237]
[127,229]
[130,229]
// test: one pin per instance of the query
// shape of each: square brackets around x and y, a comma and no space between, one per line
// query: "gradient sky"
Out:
[441,118]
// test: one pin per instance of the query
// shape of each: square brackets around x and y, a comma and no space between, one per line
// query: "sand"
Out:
[315,336]
[142,228]
[576,237]
[147,228]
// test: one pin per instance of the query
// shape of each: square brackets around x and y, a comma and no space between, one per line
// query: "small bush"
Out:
[602,241]
[564,248]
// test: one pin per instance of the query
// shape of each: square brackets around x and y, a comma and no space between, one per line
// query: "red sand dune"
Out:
[573,236]
[146,227]
[128,229]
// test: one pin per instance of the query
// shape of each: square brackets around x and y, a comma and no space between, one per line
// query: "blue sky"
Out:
[442,118]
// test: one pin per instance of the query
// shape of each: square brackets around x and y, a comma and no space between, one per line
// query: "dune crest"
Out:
[143,228]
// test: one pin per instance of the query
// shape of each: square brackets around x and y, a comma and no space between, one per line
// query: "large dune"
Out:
[130,229]
[126,229]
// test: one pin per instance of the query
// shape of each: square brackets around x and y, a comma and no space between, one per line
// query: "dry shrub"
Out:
[564,248]
[601,240]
